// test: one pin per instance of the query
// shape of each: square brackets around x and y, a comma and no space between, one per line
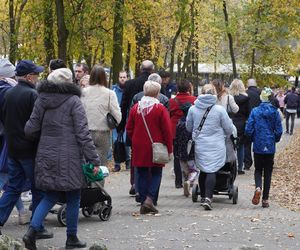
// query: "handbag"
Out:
[111,121]
[191,143]
[119,150]
[160,153]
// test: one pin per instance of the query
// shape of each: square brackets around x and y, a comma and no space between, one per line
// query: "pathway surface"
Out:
[181,223]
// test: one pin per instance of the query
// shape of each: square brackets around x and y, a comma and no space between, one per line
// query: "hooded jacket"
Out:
[264,127]
[210,149]
[59,120]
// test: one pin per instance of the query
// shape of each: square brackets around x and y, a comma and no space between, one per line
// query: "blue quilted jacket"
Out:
[264,128]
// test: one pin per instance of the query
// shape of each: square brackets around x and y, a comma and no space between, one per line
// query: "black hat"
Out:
[25,67]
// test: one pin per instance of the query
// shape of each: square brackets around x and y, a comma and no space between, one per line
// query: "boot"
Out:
[29,239]
[73,242]
[148,203]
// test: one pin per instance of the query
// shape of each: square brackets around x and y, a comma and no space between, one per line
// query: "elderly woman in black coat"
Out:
[59,120]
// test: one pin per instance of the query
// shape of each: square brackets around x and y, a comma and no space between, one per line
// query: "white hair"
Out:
[151,88]
[251,82]
[155,77]
[147,65]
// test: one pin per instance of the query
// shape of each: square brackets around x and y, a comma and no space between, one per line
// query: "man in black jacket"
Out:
[132,87]
[291,101]
[17,108]
[254,101]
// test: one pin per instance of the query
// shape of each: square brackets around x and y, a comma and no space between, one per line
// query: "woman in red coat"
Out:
[159,124]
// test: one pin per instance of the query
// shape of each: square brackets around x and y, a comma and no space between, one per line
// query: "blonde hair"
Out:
[209,89]
[237,88]
[151,88]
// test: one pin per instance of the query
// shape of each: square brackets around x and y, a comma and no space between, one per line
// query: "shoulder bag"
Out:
[159,150]
[191,143]
[111,121]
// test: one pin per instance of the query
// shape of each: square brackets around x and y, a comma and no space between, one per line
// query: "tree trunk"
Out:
[174,40]
[117,58]
[127,60]
[48,31]
[230,39]
[255,41]
[14,25]
[62,32]
[143,43]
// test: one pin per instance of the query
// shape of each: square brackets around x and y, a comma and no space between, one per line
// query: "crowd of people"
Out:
[50,127]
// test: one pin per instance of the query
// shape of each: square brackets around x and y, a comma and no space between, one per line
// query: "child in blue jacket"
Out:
[265,129]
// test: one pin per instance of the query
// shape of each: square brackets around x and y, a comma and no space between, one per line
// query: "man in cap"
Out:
[17,107]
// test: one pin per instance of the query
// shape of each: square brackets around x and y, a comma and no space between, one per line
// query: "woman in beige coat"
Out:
[98,100]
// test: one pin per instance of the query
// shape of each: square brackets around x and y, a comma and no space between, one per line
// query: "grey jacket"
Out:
[59,119]
[210,150]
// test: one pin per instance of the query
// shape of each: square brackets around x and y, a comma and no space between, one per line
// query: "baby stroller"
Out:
[94,199]
[225,176]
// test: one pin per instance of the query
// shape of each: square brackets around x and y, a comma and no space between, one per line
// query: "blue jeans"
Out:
[19,171]
[149,182]
[240,156]
[49,200]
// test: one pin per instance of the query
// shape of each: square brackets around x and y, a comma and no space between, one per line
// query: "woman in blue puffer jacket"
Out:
[265,129]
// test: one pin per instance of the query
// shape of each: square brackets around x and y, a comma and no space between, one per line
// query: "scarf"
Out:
[146,104]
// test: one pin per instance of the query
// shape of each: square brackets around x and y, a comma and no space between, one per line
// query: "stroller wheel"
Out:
[195,191]
[87,211]
[61,215]
[105,212]
[235,195]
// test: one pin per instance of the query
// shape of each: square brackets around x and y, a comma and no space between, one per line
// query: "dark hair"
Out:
[183,86]
[56,64]
[98,76]
[293,89]
[85,68]
[164,74]
[219,86]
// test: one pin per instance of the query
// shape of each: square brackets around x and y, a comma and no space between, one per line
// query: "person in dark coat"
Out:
[59,121]
[237,90]
[132,87]
[254,101]
[291,101]
[16,110]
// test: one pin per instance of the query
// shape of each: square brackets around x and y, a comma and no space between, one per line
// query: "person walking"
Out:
[265,130]
[210,149]
[59,121]
[16,110]
[280,97]
[238,91]
[158,121]
[291,101]
[98,101]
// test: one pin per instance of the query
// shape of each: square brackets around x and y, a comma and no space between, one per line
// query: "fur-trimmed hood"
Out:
[53,95]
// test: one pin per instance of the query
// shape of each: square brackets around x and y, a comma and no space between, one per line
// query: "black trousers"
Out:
[247,153]
[263,164]
[177,172]
[207,182]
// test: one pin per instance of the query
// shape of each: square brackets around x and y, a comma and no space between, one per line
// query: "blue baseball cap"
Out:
[25,67]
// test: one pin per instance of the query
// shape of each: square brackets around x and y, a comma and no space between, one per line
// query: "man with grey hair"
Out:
[254,101]
[132,87]
[162,98]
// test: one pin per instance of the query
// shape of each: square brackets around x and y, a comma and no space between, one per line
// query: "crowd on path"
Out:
[51,127]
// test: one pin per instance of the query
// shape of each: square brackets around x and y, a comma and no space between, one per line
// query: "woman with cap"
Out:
[265,129]
[159,124]
[59,120]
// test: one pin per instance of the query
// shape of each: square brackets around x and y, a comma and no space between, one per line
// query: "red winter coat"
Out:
[159,124]
[175,112]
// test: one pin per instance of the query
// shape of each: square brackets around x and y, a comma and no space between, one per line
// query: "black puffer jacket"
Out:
[239,119]
[59,119]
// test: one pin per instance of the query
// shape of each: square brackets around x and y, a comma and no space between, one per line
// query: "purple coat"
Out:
[59,120]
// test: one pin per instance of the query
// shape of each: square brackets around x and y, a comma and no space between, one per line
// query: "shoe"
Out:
[287,132]
[138,198]
[148,204]
[178,186]
[186,188]
[291,133]
[127,164]
[241,172]
[132,190]
[26,196]
[24,218]
[202,200]
[29,239]
[73,242]
[207,204]
[256,196]
[265,203]
[44,234]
